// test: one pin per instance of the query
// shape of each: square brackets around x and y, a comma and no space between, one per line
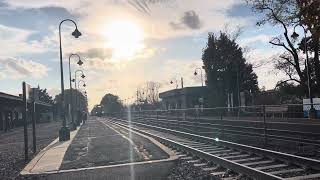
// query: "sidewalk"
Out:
[50,158]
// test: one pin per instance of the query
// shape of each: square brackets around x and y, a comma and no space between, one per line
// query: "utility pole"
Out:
[181,82]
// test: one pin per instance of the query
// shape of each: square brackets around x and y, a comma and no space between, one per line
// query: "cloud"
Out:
[98,64]
[101,58]
[100,53]
[263,38]
[14,68]
[158,24]
[15,41]
[54,91]
[48,3]
[144,6]
[190,19]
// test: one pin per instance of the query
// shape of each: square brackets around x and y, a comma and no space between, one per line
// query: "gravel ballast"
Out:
[12,147]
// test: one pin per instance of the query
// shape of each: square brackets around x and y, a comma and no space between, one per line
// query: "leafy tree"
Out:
[289,93]
[267,97]
[79,100]
[111,103]
[44,96]
[227,70]
[309,15]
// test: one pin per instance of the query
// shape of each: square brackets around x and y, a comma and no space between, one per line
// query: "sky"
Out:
[124,43]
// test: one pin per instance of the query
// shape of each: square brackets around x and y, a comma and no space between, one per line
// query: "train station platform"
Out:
[97,147]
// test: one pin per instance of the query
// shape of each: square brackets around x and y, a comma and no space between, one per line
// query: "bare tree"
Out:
[148,93]
[291,14]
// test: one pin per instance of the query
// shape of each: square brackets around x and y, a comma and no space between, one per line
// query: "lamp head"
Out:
[76,33]
[83,76]
[195,73]
[294,35]
[80,62]
[84,85]
[171,82]
[73,80]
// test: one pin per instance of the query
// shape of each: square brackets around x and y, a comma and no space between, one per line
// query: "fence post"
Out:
[139,115]
[222,124]
[264,125]
[184,118]
[144,115]
[167,118]
[198,121]
[33,115]
[25,121]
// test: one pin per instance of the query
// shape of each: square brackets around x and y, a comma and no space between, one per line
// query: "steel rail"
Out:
[239,168]
[246,133]
[302,161]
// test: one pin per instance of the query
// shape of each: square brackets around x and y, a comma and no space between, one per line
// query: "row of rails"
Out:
[284,125]
[218,157]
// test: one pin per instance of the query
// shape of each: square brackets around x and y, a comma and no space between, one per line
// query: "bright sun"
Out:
[125,38]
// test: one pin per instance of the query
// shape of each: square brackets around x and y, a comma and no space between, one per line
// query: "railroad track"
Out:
[241,130]
[218,157]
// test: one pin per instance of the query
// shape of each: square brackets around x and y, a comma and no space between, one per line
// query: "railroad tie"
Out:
[219,151]
[309,176]
[227,154]
[271,166]
[238,176]
[248,159]
[287,171]
[187,158]
[210,168]
[257,163]
[199,164]
[237,156]
[207,147]
[217,173]
[194,161]
[210,149]
[181,155]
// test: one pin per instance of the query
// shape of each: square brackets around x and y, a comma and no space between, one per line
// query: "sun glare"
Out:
[125,38]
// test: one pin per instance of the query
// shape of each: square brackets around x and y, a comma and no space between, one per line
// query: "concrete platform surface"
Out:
[102,151]
[50,158]
[98,145]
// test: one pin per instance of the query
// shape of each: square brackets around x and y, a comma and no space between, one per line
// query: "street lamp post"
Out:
[73,125]
[312,111]
[196,73]
[84,85]
[64,132]
[86,107]
[75,85]
[176,81]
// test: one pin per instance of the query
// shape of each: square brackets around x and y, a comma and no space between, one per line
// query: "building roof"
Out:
[9,96]
[183,91]
[18,99]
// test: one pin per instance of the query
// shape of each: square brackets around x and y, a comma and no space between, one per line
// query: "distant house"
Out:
[188,97]
[11,108]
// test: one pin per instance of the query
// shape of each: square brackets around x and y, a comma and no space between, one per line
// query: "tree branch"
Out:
[282,82]
[293,50]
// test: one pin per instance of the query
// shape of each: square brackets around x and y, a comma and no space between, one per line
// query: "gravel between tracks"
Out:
[12,147]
